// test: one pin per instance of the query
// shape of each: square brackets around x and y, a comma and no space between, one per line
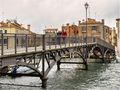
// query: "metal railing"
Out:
[23,43]
[104,43]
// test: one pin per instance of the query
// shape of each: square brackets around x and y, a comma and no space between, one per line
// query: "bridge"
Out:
[41,52]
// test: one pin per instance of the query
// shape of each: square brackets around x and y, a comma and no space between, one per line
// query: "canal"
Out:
[100,76]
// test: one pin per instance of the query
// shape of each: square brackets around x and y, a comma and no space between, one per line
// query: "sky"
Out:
[41,14]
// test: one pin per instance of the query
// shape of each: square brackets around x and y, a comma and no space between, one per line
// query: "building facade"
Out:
[50,31]
[71,30]
[114,37]
[94,29]
[50,34]
[118,35]
[11,29]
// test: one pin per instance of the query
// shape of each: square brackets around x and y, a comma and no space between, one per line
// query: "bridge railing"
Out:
[22,43]
[104,43]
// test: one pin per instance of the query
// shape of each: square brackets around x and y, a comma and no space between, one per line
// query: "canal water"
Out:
[99,76]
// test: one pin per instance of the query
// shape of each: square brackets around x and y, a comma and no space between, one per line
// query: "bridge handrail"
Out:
[104,43]
[23,43]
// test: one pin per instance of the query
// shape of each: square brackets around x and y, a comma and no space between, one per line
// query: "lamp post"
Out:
[86,7]
[86,53]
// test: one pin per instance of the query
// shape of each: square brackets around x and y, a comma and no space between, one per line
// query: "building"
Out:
[50,34]
[94,29]
[114,37]
[50,31]
[72,30]
[11,29]
[118,35]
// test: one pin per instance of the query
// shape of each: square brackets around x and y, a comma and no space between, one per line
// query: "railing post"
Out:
[26,46]
[43,42]
[80,40]
[65,41]
[55,42]
[35,43]
[69,40]
[49,42]
[76,40]
[7,42]
[60,40]
[15,44]
[2,44]
[44,79]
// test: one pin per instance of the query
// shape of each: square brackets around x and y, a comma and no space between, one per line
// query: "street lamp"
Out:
[86,53]
[86,7]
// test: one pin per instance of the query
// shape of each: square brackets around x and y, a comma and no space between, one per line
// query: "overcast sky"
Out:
[54,13]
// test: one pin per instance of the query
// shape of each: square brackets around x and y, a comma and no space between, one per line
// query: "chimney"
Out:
[103,22]
[28,27]
[67,24]
[79,22]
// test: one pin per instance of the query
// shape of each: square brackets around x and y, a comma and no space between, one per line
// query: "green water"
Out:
[99,76]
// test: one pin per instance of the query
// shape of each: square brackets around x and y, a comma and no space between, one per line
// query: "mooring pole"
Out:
[58,65]
[44,79]
[103,57]
[86,65]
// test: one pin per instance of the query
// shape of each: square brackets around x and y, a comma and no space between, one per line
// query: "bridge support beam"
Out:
[44,80]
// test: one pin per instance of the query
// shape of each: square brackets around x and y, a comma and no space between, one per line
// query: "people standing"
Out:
[59,37]
[64,35]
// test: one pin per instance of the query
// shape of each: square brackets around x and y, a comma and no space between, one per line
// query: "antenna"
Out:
[89,11]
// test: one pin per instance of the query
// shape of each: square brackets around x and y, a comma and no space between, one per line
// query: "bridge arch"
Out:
[97,49]
[80,56]
[32,68]
[108,52]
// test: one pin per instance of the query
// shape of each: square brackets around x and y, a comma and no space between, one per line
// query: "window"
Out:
[83,29]
[106,30]
[5,41]
[1,31]
[94,28]
[5,31]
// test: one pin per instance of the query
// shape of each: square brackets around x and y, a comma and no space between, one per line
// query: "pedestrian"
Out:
[64,35]
[59,37]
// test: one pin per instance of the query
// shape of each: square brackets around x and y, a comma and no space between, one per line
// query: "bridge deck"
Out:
[20,51]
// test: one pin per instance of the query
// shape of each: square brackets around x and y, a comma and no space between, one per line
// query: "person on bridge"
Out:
[59,37]
[64,35]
